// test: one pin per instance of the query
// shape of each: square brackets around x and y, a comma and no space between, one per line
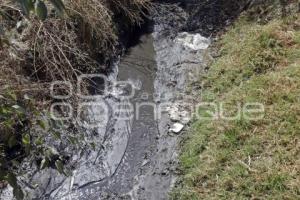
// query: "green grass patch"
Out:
[246,158]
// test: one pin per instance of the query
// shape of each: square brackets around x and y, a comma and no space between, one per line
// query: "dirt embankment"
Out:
[210,17]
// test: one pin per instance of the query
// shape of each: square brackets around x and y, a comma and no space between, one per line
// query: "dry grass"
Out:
[57,52]
[95,21]
[133,10]
[63,48]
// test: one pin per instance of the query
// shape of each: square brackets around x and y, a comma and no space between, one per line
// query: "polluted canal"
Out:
[147,107]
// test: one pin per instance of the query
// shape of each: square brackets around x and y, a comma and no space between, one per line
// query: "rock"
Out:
[177,128]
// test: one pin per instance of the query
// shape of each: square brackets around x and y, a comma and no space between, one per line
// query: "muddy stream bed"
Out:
[150,107]
[147,105]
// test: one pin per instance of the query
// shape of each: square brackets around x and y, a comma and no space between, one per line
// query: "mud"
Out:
[136,154]
[210,17]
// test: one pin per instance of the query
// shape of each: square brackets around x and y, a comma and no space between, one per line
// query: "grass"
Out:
[248,159]
[83,40]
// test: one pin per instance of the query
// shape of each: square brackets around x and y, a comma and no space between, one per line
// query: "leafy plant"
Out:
[39,7]
[22,128]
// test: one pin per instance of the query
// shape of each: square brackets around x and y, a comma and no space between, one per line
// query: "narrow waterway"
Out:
[137,68]
[136,73]
[136,145]
[136,155]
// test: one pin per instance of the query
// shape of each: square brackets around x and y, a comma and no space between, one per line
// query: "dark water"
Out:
[138,68]
[136,72]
